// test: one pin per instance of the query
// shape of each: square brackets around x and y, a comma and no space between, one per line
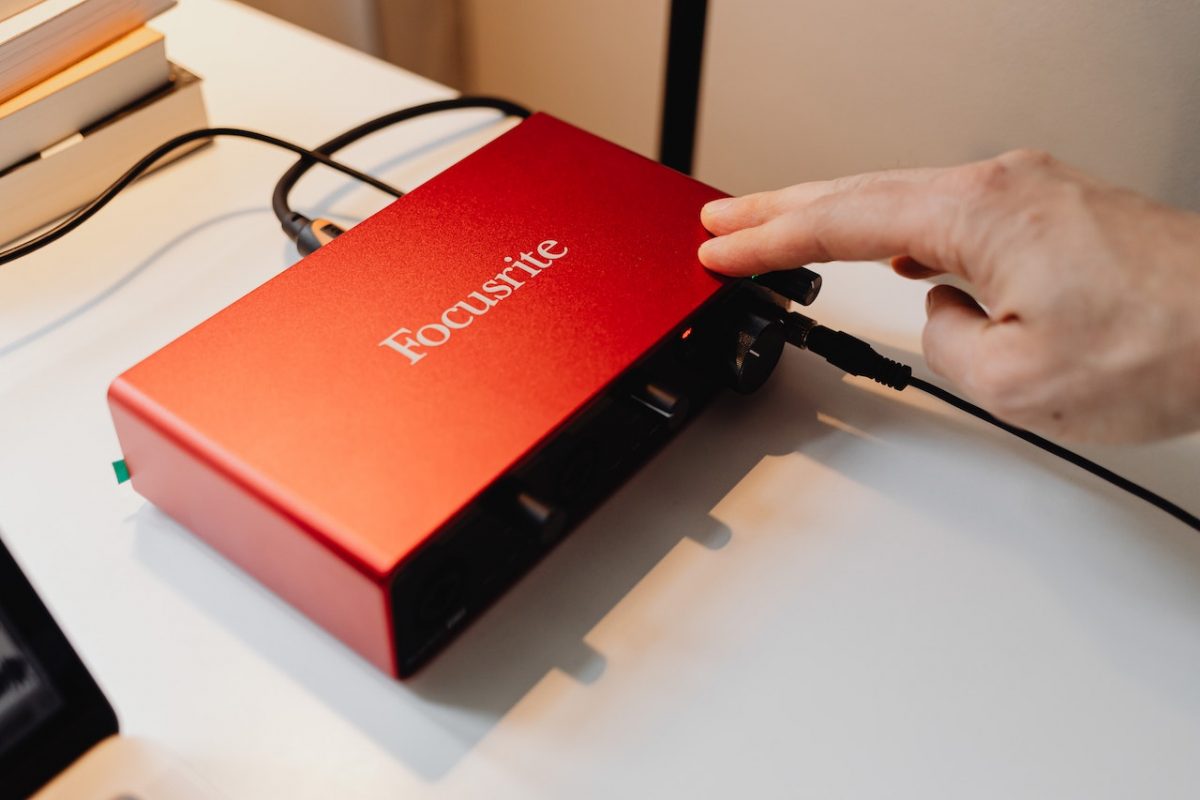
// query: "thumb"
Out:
[953,332]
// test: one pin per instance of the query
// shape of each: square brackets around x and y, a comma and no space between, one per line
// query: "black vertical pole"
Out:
[681,86]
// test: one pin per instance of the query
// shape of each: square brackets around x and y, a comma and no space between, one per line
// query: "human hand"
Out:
[1084,323]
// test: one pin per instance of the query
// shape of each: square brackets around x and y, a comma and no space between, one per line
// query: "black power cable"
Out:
[858,358]
[1099,471]
[309,234]
[295,225]
[86,212]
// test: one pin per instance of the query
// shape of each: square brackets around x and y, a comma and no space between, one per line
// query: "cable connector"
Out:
[317,234]
[845,352]
[310,234]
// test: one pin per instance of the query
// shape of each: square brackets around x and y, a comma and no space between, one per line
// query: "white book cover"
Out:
[38,191]
[45,38]
[101,84]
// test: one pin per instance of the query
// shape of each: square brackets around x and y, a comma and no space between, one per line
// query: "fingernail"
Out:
[717,207]
[929,301]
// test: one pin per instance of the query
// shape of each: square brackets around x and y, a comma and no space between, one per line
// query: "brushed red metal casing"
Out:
[285,435]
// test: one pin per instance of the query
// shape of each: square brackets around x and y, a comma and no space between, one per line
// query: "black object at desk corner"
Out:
[76,715]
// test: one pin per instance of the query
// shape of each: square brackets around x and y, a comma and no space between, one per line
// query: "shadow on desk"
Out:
[436,718]
[122,280]
[431,722]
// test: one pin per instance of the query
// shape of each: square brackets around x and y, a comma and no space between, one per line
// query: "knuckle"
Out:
[985,179]
[990,198]
[989,177]
[976,191]
[1029,158]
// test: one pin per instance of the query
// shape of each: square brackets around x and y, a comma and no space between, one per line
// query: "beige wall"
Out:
[802,89]
[423,36]
[596,63]
[351,22]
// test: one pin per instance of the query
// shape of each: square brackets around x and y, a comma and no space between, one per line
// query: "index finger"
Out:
[880,219]
[731,214]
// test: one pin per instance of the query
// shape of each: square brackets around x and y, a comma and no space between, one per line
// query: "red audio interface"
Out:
[391,431]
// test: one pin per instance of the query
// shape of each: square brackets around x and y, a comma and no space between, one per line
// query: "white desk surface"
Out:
[820,591]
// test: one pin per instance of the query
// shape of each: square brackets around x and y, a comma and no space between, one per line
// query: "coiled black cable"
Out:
[87,211]
[292,223]
[297,226]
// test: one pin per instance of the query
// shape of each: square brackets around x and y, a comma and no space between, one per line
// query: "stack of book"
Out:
[85,91]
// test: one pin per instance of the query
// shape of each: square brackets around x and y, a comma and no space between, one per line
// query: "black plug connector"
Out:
[845,352]
[317,234]
[309,234]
